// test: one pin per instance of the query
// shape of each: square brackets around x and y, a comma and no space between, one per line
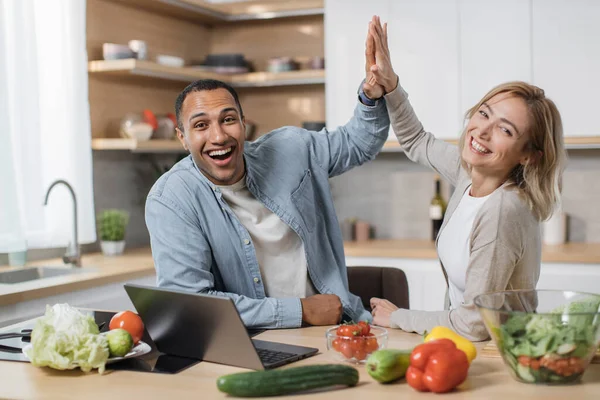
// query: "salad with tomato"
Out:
[554,347]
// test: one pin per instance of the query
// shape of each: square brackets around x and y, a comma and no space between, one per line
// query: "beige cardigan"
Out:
[505,248]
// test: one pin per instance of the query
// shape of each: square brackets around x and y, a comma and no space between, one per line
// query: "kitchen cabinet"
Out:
[423,40]
[427,286]
[426,283]
[495,46]
[566,59]
[346,27]
[562,276]
[105,297]
[424,48]
[448,54]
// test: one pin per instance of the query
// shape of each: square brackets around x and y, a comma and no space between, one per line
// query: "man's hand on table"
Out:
[321,309]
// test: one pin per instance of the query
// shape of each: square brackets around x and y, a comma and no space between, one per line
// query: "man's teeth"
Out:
[479,147]
[219,152]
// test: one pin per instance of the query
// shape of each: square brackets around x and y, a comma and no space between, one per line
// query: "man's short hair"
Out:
[198,86]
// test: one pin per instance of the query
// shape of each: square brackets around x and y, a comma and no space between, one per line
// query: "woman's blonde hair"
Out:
[539,181]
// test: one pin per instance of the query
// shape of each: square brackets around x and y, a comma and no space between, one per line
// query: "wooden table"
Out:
[488,379]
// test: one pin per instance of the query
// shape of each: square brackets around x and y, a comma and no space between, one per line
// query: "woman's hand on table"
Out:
[382,311]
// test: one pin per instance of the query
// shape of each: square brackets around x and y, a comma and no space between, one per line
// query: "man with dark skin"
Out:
[255,221]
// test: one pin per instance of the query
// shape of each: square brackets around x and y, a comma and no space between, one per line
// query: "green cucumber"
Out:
[286,381]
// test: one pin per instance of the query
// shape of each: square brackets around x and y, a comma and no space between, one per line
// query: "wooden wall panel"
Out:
[111,98]
[261,40]
[118,23]
[257,6]
[272,108]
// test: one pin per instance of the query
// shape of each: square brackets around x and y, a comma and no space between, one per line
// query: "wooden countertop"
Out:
[488,378]
[425,249]
[97,270]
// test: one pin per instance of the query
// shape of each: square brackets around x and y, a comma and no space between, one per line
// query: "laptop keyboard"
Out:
[273,357]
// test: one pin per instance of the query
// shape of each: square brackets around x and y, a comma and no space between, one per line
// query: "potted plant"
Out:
[111,226]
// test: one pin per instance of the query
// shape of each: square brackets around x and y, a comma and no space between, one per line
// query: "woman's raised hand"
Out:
[381,70]
[372,89]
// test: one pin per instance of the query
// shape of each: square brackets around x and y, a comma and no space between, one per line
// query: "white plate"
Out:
[138,350]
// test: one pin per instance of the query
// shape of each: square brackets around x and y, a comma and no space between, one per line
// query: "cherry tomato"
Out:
[348,330]
[360,354]
[371,344]
[358,345]
[365,327]
[346,349]
[129,321]
[336,344]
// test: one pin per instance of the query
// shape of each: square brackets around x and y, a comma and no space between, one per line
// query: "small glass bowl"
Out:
[544,336]
[355,349]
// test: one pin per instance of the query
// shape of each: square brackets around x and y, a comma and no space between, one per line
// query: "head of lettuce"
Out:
[65,338]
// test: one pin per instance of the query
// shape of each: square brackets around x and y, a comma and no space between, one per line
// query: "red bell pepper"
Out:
[437,366]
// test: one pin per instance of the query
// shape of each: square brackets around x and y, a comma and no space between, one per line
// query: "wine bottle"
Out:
[437,208]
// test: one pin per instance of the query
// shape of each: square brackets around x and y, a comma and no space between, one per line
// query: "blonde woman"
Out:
[506,172]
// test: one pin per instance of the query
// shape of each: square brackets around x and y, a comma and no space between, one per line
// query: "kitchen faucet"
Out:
[72,256]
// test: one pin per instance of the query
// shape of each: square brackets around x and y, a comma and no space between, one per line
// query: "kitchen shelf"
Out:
[571,143]
[138,146]
[205,12]
[132,67]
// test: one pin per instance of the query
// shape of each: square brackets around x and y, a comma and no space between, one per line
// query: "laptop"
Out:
[206,327]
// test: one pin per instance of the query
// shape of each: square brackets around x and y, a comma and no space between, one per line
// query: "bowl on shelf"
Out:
[543,336]
[134,126]
[344,346]
[113,51]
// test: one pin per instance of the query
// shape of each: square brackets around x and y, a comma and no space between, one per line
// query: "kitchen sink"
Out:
[34,273]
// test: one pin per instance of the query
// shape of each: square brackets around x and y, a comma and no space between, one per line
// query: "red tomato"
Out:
[365,327]
[358,346]
[129,321]
[371,344]
[348,330]
[346,349]
[336,344]
[360,354]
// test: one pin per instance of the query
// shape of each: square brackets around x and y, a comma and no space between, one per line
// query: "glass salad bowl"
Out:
[543,336]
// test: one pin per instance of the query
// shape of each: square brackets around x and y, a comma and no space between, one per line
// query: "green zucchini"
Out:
[286,381]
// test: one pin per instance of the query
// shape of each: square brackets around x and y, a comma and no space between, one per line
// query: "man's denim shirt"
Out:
[198,244]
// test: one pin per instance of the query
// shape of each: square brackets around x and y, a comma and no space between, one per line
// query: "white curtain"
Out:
[44,124]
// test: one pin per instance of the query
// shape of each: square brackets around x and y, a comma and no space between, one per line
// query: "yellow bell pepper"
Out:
[441,332]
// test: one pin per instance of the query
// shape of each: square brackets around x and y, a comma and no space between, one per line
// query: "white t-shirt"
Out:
[279,250]
[454,243]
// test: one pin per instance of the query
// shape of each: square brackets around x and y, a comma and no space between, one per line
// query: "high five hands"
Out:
[380,76]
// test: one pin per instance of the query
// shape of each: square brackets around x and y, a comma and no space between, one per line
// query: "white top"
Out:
[454,245]
[279,250]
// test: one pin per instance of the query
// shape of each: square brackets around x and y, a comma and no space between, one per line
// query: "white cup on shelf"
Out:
[555,229]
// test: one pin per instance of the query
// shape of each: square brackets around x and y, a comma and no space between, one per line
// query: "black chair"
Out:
[383,282]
